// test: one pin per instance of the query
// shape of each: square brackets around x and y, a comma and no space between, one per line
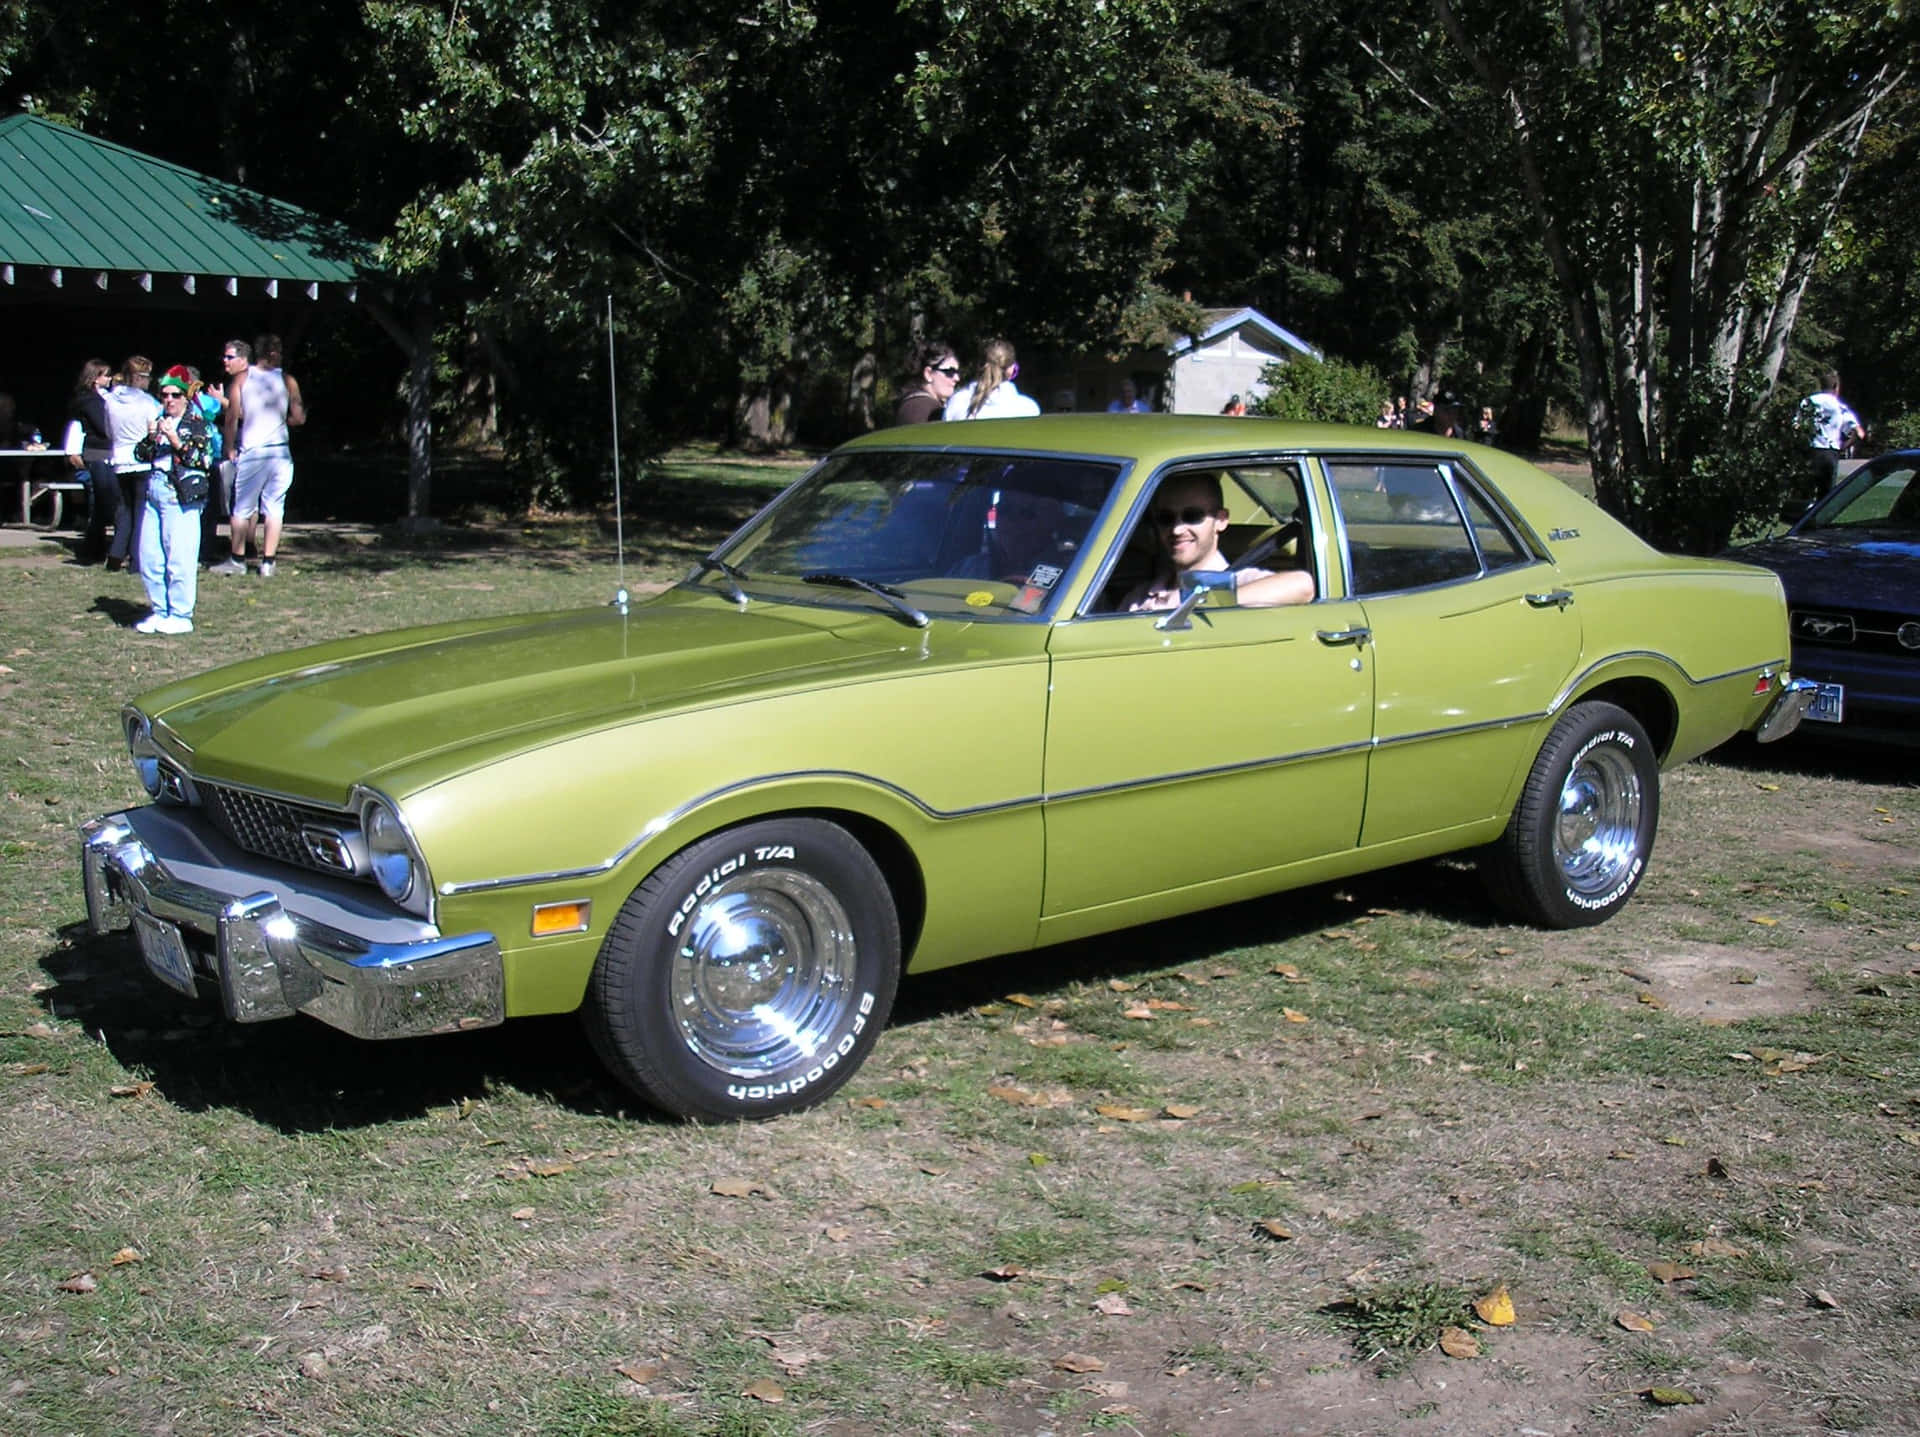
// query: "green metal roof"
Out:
[71,202]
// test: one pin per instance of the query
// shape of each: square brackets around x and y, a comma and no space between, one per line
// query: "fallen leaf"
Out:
[740,1188]
[1191,1285]
[420,1282]
[1745,975]
[1909,1137]
[1167,1005]
[1012,1093]
[1768,787]
[1078,1362]
[1505,952]
[1715,1247]
[869,1102]
[1635,1321]
[1622,1155]
[1006,1272]
[38,1030]
[838,1234]
[1764,922]
[1021,1000]
[313,1366]
[80,1282]
[1122,1114]
[1652,1001]
[1139,1012]
[1294,1015]
[1113,1305]
[549,1169]
[337,1273]
[1180,1110]
[1496,1308]
[933,1170]
[132,1090]
[1664,1271]
[1822,1298]
[1275,1229]
[1671,1396]
[641,1372]
[1121,985]
[1458,1342]
[127,1255]
[766,1390]
[521,1214]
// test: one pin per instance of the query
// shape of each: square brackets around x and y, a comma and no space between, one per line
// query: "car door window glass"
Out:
[1498,547]
[1266,527]
[1404,526]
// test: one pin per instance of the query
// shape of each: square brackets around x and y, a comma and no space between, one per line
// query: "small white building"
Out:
[1226,358]
[1196,374]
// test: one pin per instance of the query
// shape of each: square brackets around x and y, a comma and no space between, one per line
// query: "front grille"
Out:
[1863,630]
[267,826]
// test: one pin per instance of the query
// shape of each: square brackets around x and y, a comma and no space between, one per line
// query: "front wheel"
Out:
[748,975]
[1581,835]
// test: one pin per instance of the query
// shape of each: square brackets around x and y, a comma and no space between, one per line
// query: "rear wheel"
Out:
[750,974]
[1581,835]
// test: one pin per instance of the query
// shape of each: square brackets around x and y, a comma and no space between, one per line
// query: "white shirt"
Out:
[1005,402]
[1833,423]
[263,409]
[128,412]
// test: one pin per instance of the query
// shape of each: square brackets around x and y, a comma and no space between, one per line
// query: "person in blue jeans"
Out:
[176,447]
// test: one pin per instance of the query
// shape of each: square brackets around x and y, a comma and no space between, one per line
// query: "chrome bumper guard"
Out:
[278,943]
[1789,705]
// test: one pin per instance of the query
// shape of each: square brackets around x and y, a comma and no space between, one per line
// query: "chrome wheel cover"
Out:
[1596,836]
[763,977]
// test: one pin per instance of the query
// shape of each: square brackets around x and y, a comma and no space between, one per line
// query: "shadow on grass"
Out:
[1818,754]
[297,1075]
[1443,889]
[124,612]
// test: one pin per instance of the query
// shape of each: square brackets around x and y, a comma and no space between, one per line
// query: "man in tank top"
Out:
[260,411]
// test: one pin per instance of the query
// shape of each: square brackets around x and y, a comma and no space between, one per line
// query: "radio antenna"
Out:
[619,519]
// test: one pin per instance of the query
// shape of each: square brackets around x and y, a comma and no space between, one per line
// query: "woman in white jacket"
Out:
[993,395]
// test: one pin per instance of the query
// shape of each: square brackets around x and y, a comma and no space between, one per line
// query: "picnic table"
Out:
[33,490]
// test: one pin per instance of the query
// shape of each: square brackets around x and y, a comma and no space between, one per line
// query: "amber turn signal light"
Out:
[552,918]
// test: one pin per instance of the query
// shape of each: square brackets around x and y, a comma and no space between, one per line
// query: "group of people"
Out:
[152,466]
[936,392]
[1446,419]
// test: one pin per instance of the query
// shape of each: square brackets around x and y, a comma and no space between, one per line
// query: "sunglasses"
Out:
[1190,516]
[229,356]
[952,371]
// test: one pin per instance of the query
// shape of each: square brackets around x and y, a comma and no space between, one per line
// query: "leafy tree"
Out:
[1683,159]
[1330,390]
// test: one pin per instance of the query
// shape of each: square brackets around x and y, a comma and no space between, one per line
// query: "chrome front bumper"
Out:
[278,943]
[1785,712]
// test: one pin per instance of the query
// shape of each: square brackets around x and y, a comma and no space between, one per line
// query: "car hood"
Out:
[316,721]
[1842,569]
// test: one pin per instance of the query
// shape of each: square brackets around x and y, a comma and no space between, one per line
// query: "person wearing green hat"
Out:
[176,448]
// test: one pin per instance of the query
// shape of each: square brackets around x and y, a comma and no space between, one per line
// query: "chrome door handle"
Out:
[1554,599]
[1343,636]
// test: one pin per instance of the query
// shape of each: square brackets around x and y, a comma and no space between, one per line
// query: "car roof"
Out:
[1152,438]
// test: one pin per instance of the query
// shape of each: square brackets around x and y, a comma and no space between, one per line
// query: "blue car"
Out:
[1851,567]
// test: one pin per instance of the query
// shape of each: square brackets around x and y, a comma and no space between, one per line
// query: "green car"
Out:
[963,690]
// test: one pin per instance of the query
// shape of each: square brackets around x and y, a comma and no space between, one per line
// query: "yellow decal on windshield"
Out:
[979,599]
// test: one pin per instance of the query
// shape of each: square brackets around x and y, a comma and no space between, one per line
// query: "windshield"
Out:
[969,535]
[1880,495]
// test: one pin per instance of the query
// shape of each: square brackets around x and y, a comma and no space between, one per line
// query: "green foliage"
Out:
[1330,390]
[1403,1318]
[1731,468]
[1901,432]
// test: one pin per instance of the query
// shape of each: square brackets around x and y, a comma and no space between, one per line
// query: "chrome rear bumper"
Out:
[1784,713]
[277,943]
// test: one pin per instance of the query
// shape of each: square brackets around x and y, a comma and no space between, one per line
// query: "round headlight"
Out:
[146,758]
[1909,635]
[390,853]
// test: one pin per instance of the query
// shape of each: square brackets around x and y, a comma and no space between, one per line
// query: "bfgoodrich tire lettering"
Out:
[1581,835]
[750,974]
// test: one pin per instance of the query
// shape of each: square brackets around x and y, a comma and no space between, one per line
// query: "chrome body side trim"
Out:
[279,941]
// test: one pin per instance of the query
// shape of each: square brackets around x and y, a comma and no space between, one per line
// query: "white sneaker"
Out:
[266,568]
[174,624]
[228,565]
[150,625]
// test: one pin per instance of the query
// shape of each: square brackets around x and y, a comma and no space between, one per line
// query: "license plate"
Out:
[1828,704]
[165,952]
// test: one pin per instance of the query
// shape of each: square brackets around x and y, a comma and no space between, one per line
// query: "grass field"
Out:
[1234,1174]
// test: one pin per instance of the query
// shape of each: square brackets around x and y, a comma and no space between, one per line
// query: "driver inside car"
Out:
[1188,516]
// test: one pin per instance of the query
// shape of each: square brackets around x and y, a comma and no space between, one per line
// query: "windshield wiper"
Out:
[893,597]
[733,576]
